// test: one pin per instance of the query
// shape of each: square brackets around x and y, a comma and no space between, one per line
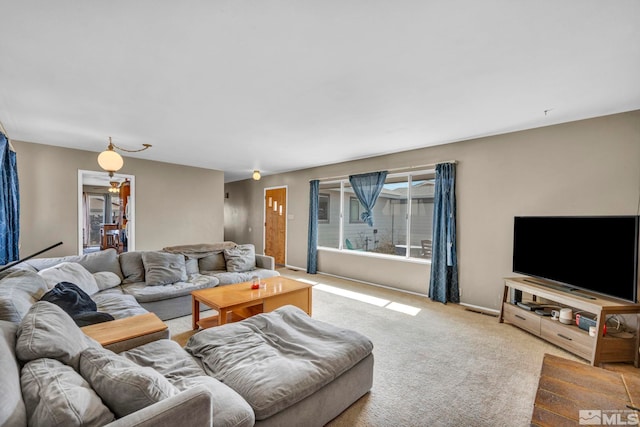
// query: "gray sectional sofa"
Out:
[135,282]
[274,369]
[54,375]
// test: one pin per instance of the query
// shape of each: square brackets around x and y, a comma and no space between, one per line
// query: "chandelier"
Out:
[115,187]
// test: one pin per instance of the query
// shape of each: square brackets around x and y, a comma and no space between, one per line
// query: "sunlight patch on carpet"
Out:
[379,302]
[353,295]
[403,308]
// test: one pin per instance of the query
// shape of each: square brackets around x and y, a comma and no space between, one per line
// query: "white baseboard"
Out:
[480,308]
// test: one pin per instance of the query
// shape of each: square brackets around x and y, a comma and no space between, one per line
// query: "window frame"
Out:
[327,218]
[353,201]
[343,183]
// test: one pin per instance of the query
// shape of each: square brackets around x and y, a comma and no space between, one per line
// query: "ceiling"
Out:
[279,85]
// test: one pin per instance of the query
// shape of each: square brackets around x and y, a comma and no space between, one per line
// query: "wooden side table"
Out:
[123,334]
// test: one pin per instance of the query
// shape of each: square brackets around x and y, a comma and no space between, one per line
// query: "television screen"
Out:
[598,254]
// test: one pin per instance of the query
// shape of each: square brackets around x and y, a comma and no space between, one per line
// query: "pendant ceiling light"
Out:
[256,175]
[115,187]
[111,161]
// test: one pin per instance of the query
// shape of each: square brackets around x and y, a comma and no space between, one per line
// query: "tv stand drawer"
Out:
[521,318]
[570,338]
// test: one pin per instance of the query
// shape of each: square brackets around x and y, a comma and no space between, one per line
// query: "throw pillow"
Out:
[124,386]
[106,260]
[47,331]
[106,280]
[241,258]
[162,268]
[213,262]
[56,395]
[70,272]
[132,267]
[18,292]
[191,265]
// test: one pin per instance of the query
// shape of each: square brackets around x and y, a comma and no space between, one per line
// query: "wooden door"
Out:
[275,224]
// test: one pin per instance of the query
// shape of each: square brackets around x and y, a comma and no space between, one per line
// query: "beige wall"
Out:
[589,167]
[174,204]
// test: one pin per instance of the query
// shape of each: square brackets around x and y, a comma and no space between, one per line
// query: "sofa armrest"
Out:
[190,408]
[265,261]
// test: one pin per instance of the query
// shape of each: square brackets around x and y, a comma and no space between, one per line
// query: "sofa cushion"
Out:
[276,359]
[12,409]
[18,267]
[46,331]
[71,272]
[56,395]
[183,372]
[118,305]
[227,278]
[144,293]
[124,386]
[18,292]
[191,265]
[162,268]
[241,258]
[213,262]
[132,267]
[106,260]
[106,280]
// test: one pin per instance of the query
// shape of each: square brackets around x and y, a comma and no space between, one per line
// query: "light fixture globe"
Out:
[256,175]
[110,161]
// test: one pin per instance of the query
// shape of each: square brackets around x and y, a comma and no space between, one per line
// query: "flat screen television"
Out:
[592,253]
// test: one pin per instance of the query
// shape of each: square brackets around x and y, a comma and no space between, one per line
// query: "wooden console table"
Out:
[570,392]
[120,330]
[598,349]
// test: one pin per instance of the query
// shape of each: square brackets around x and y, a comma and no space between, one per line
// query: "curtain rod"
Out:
[4,131]
[408,168]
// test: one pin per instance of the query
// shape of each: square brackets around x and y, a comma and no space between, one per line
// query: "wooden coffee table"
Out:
[129,328]
[570,392]
[239,301]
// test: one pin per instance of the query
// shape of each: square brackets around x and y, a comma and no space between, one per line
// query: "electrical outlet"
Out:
[460,291]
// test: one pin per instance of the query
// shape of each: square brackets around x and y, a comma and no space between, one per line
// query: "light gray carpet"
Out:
[445,366]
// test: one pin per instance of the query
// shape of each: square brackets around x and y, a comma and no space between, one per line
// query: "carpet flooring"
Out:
[435,364]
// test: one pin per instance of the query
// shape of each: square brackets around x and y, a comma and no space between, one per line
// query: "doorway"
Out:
[105,218]
[275,224]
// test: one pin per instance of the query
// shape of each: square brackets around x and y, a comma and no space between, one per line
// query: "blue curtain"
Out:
[443,285]
[9,204]
[367,187]
[312,249]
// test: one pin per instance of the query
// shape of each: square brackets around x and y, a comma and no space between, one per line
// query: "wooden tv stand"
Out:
[597,350]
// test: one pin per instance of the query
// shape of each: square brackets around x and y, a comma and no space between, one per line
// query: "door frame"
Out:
[286,220]
[131,223]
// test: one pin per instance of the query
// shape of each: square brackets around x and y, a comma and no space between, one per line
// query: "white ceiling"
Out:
[237,85]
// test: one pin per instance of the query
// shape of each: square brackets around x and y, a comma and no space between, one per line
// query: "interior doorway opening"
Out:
[106,214]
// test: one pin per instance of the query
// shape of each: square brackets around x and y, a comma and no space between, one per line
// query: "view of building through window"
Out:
[402,217]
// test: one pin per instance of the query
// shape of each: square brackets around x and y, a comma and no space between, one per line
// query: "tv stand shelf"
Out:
[597,350]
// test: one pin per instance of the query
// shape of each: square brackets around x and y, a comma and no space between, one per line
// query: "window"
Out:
[402,216]
[323,208]
[354,210]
